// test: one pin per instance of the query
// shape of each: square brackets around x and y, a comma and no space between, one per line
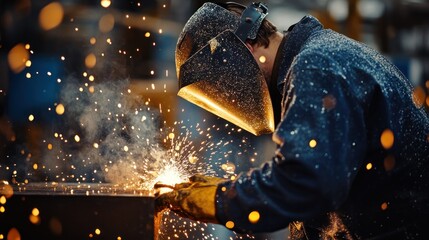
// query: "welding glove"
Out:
[194,199]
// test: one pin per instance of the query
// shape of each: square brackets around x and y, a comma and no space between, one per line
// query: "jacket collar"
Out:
[294,39]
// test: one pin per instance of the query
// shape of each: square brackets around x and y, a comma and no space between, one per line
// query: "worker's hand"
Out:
[194,199]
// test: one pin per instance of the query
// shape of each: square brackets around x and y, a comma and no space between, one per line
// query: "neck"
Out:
[265,56]
[275,42]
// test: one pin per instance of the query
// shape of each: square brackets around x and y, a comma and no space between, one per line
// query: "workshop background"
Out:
[57,57]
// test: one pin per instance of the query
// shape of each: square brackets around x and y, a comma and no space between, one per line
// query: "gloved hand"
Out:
[194,199]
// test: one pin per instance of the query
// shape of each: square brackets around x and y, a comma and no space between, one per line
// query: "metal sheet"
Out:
[78,211]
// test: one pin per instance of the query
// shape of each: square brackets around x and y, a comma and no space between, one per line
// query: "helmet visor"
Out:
[224,79]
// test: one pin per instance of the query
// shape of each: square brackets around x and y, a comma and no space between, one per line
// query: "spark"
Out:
[105,3]
[369,166]
[312,143]
[35,212]
[170,175]
[254,217]
[60,109]
[387,139]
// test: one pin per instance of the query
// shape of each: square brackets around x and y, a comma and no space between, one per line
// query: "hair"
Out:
[265,31]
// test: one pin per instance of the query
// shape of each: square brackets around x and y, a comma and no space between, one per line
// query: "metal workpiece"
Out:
[77,211]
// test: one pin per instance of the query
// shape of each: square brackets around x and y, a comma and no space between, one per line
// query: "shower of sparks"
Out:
[113,136]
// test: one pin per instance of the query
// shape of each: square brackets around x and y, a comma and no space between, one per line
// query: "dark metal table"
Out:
[77,211]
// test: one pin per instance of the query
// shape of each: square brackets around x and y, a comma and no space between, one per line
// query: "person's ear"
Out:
[249,46]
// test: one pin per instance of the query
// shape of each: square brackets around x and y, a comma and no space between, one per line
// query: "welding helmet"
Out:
[217,71]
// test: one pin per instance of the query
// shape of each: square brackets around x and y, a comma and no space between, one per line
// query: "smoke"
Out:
[109,134]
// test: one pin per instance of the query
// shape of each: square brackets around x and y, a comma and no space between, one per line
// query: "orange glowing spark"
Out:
[254,217]
[60,109]
[34,219]
[90,60]
[369,166]
[312,143]
[51,16]
[35,212]
[387,138]
[171,135]
[13,234]
[17,57]
[229,224]
[5,189]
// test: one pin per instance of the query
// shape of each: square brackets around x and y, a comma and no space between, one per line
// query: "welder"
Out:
[353,145]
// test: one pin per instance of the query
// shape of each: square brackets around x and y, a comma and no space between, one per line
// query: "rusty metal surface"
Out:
[78,211]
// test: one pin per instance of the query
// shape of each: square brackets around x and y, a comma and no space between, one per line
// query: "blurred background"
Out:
[44,45]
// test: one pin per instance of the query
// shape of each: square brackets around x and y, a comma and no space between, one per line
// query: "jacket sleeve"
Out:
[323,142]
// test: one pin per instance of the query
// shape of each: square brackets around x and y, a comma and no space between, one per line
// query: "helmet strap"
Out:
[251,19]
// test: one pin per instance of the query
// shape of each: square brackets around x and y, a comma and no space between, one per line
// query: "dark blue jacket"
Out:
[336,170]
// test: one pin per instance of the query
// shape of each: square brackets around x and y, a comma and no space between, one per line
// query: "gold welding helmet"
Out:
[216,70]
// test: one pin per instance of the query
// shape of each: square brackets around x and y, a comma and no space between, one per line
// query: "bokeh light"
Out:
[106,23]
[13,234]
[387,138]
[90,60]
[389,163]
[254,217]
[384,206]
[312,143]
[51,16]
[105,3]
[17,58]
[369,166]
[60,109]
[229,224]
